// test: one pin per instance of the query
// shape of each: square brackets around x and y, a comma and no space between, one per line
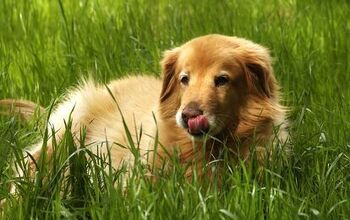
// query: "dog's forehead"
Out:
[204,54]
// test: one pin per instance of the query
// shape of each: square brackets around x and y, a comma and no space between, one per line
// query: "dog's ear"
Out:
[168,65]
[259,72]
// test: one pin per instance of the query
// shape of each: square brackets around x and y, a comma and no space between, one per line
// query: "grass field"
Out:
[46,46]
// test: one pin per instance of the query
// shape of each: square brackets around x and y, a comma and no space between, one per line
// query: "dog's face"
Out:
[208,80]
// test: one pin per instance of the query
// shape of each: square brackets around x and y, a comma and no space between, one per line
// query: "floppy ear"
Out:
[168,65]
[259,73]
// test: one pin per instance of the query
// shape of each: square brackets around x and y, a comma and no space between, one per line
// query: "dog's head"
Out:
[208,80]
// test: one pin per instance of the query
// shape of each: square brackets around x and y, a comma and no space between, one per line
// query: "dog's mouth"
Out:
[198,126]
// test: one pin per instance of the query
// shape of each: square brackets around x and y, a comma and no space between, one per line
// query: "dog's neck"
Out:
[236,139]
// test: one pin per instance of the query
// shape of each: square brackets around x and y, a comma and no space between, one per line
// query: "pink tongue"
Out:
[198,124]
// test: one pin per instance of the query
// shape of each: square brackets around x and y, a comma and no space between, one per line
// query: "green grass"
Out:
[46,46]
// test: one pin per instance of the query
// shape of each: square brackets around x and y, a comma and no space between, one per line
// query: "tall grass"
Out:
[46,46]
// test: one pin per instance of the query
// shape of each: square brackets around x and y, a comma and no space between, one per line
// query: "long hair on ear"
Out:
[256,63]
[168,65]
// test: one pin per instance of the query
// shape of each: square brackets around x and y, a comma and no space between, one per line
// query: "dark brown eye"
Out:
[221,80]
[184,79]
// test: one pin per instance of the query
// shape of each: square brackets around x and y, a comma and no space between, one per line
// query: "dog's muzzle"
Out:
[194,120]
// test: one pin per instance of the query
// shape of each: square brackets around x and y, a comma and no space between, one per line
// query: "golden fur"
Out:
[242,112]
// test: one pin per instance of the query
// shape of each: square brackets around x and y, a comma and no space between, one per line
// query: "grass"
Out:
[46,46]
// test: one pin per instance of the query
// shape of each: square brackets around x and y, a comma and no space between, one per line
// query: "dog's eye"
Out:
[221,80]
[184,79]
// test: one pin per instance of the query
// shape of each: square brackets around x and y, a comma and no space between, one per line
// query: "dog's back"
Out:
[102,109]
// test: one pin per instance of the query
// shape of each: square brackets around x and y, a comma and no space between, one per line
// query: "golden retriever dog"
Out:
[215,89]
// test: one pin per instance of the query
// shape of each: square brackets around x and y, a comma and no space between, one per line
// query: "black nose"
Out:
[191,110]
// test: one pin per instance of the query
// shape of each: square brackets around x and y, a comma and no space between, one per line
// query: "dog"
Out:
[218,91]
